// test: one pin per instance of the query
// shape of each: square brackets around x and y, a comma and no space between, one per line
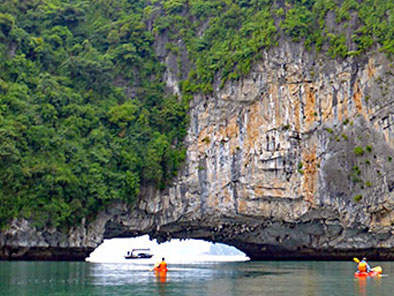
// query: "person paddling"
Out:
[363,266]
[162,266]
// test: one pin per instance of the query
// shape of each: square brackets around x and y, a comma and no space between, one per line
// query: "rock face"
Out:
[293,161]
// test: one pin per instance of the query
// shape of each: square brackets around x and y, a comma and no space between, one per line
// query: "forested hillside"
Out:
[84,118]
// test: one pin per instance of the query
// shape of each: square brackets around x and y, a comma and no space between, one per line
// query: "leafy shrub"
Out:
[357,198]
[358,150]
[298,22]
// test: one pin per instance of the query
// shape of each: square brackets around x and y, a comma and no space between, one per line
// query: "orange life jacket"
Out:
[163,265]
[362,267]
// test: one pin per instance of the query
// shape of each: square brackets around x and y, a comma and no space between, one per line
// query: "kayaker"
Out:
[363,266]
[162,266]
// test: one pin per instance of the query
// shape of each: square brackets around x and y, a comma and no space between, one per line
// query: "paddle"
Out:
[356,260]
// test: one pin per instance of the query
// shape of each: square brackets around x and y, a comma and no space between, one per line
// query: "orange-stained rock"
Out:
[310,106]
[357,97]
[310,174]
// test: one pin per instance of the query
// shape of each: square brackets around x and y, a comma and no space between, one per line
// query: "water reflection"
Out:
[161,276]
[247,278]
[161,281]
[370,286]
[361,286]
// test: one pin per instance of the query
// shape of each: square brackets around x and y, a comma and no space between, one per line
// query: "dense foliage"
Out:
[83,115]
[224,37]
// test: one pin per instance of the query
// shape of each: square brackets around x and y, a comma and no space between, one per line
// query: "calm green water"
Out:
[248,278]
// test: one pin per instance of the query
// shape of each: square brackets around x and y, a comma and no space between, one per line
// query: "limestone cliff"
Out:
[292,161]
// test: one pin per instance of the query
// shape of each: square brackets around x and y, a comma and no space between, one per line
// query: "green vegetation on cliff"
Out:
[224,37]
[84,119]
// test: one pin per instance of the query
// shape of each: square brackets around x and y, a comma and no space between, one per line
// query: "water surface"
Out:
[240,278]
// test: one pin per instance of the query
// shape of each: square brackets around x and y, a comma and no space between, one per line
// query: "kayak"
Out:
[158,269]
[376,271]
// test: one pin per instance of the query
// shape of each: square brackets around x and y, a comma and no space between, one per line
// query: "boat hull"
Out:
[376,271]
[138,257]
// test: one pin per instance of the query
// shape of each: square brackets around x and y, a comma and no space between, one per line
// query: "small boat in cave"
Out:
[139,254]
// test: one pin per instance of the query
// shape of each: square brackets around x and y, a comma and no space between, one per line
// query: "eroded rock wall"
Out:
[293,161]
